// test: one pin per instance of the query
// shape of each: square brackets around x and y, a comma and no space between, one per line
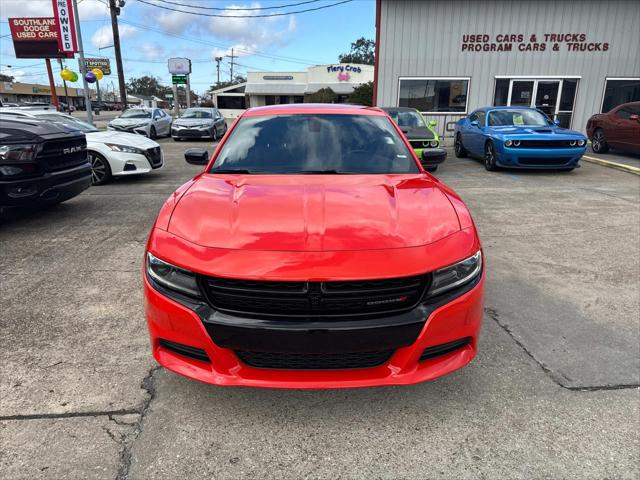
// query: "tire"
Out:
[176,139]
[490,157]
[432,169]
[599,144]
[459,149]
[214,135]
[100,169]
[152,133]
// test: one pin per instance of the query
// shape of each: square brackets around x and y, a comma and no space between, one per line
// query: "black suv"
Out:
[40,162]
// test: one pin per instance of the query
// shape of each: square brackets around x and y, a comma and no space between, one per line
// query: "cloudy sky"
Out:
[150,34]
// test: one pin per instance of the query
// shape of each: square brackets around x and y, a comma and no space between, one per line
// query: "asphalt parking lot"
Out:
[553,393]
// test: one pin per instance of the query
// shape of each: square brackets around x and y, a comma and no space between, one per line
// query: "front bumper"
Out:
[49,188]
[537,158]
[221,339]
[124,163]
[191,132]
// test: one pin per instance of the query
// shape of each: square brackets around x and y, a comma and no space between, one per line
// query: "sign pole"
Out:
[176,106]
[188,92]
[54,96]
[83,67]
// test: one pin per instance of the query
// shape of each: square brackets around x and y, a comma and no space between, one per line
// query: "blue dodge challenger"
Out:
[517,137]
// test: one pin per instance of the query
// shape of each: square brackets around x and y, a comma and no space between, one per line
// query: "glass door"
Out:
[547,95]
[521,93]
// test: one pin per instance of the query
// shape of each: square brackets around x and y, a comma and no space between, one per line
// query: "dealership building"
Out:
[569,58]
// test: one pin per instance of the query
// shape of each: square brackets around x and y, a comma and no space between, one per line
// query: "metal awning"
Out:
[339,88]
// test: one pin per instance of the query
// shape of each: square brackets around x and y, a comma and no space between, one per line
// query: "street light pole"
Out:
[115,11]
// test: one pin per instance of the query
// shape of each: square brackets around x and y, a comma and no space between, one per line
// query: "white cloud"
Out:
[18,75]
[87,9]
[176,22]
[152,51]
[103,37]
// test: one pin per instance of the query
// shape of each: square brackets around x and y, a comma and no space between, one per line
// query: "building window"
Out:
[618,91]
[298,99]
[434,95]
[269,100]
[501,97]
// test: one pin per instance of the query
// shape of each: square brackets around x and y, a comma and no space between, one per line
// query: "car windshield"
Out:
[408,119]
[68,122]
[195,113]
[521,117]
[315,143]
[135,113]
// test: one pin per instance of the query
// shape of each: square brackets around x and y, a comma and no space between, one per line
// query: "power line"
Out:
[213,44]
[238,8]
[245,16]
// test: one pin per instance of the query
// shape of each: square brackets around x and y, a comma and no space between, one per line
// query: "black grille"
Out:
[546,144]
[184,132]
[64,153]
[154,155]
[443,349]
[315,299]
[314,361]
[547,162]
[420,143]
[185,350]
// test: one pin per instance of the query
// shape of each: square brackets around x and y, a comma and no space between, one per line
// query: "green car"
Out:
[421,135]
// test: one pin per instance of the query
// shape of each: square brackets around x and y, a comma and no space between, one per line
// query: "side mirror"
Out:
[432,123]
[475,123]
[196,156]
[556,122]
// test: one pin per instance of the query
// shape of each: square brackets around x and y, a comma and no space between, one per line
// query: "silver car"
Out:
[199,123]
[152,122]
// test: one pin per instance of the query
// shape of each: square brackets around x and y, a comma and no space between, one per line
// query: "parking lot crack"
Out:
[555,377]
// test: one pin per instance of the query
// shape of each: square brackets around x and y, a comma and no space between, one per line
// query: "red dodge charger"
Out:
[313,251]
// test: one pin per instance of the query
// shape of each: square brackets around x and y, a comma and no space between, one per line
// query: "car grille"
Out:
[547,162]
[420,143]
[154,155]
[314,361]
[315,299]
[123,129]
[63,153]
[185,132]
[546,144]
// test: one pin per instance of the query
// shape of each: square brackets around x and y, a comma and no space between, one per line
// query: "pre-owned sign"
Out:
[63,11]
[35,37]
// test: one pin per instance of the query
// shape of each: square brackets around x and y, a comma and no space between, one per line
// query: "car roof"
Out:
[307,108]
[18,112]
[513,107]
[399,109]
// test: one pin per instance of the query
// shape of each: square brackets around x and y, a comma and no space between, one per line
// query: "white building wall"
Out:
[423,38]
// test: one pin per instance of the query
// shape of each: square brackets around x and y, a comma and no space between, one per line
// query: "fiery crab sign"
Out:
[63,11]
[35,37]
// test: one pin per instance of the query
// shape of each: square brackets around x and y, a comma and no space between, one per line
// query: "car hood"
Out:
[189,122]
[122,138]
[546,133]
[418,133]
[313,212]
[125,122]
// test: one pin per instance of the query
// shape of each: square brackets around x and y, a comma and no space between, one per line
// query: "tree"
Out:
[236,80]
[362,51]
[324,95]
[362,95]
[5,78]
[147,86]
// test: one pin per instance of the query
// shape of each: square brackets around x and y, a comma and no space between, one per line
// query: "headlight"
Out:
[456,275]
[572,143]
[581,143]
[172,277]
[516,143]
[124,148]
[433,143]
[508,143]
[20,153]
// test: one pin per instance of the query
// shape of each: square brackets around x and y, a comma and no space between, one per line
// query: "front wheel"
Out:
[431,169]
[100,169]
[599,144]
[490,157]
[152,133]
[460,151]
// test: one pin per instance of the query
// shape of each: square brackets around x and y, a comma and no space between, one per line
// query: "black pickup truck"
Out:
[41,163]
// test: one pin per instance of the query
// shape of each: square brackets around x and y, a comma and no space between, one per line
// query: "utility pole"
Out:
[188,91]
[83,66]
[218,60]
[232,56]
[115,11]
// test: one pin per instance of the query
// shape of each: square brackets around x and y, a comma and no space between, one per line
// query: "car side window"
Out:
[481,118]
[473,117]
[623,113]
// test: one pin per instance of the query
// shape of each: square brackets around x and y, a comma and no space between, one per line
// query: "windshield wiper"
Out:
[231,170]
[327,171]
